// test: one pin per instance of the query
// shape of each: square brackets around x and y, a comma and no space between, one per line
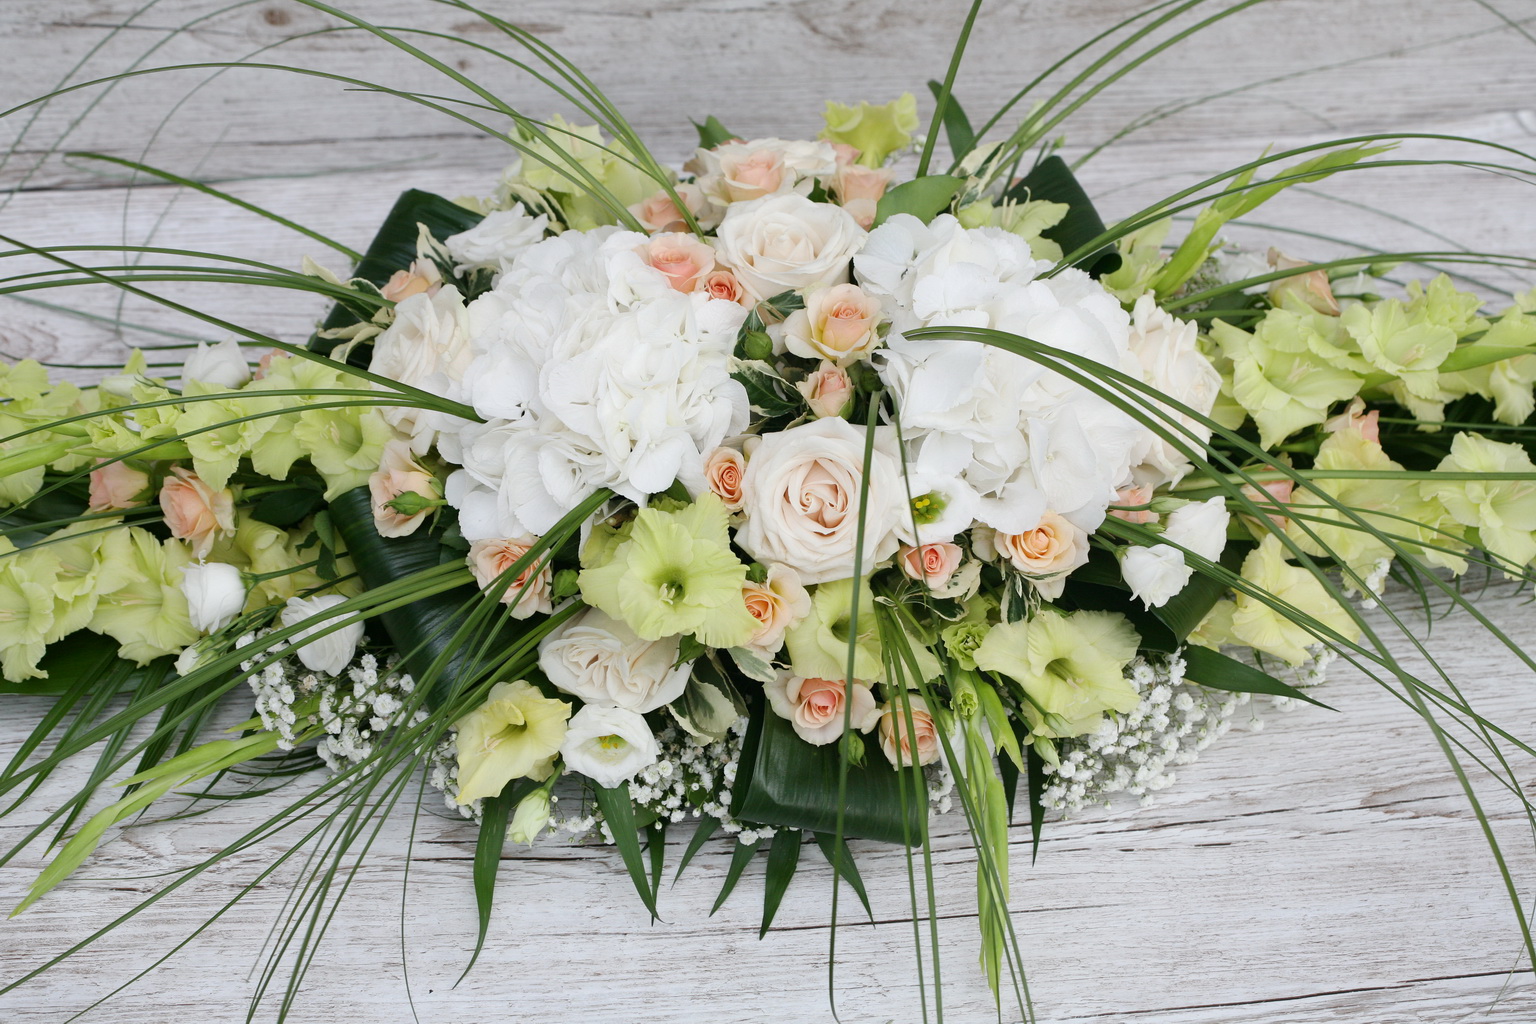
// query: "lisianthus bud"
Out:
[222,365]
[530,819]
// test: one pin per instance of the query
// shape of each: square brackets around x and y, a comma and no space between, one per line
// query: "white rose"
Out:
[785,242]
[495,241]
[601,661]
[1154,574]
[221,365]
[608,745]
[802,500]
[215,593]
[427,347]
[332,653]
[735,172]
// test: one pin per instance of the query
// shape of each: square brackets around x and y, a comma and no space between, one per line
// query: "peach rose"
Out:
[723,470]
[894,741]
[265,363]
[1312,289]
[400,474]
[777,603]
[845,154]
[814,707]
[681,257]
[658,212]
[195,512]
[859,189]
[827,391]
[529,592]
[722,284]
[933,563]
[1140,494]
[1047,553]
[116,485]
[422,276]
[838,324]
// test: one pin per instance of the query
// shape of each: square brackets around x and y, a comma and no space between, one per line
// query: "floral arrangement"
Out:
[797,494]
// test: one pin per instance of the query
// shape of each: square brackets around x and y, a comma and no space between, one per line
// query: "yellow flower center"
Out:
[611,742]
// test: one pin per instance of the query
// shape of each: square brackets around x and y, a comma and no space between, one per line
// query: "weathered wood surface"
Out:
[1326,868]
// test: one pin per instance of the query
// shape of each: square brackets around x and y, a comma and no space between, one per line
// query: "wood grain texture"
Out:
[1326,868]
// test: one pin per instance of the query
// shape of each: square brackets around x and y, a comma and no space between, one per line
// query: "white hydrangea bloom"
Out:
[591,372]
[1030,440]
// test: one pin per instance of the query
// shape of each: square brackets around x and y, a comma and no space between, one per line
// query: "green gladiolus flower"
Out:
[548,170]
[1502,511]
[26,612]
[1443,305]
[1282,391]
[147,615]
[876,132]
[1071,667]
[85,567]
[1507,382]
[1253,623]
[515,734]
[818,643]
[1396,343]
[676,575]
[344,445]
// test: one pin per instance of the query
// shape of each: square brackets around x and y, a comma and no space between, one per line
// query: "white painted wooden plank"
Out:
[1324,869]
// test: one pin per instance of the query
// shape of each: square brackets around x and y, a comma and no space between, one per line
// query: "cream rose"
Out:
[784,242]
[195,512]
[839,324]
[802,500]
[814,707]
[427,347]
[400,474]
[736,171]
[601,661]
[1046,553]
[528,592]
[116,485]
[932,563]
[777,603]
[222,365]
[827,391]
[723,470]
[683,259]
[894,741]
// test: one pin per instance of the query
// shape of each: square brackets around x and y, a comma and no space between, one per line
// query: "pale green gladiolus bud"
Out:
[530,819]
[979,214]
[963,696]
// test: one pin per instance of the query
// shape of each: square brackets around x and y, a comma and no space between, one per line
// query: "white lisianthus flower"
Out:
[215,593]
[1168,359]
[1154,574]
[1200,526]
[801,493]
[496,241]
[785,242]
[608,745]
[1157,573]
[222,365]
[427,347]
[332,653]
[601,661]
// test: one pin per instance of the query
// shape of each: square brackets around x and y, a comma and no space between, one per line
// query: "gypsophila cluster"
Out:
[443,776]
[1136,753]
[344,713]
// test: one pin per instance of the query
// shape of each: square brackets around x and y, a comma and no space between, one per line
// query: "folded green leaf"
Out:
[619,811]
[741,855]
[783,858]
[841,859]
[1219,672]
[924,198]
